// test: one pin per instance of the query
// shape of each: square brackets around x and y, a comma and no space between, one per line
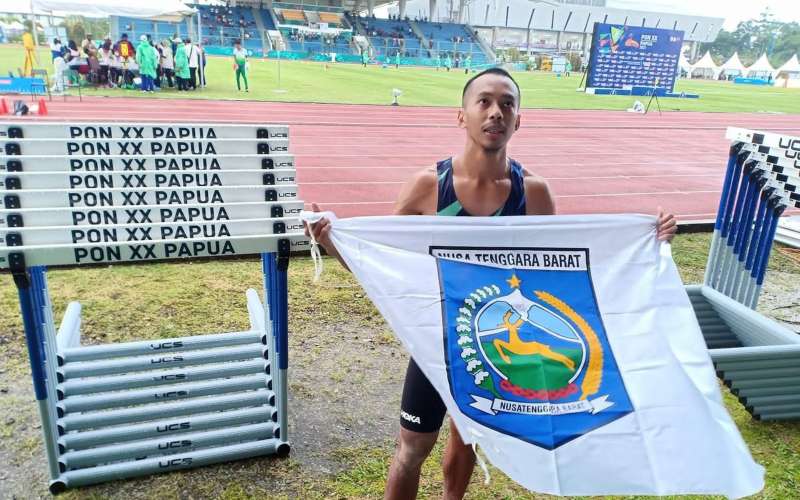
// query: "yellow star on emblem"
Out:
[514,282]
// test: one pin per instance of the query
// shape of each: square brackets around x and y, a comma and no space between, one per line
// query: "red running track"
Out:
[353,159]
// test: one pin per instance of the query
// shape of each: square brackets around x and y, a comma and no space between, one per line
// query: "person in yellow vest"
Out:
[30,53]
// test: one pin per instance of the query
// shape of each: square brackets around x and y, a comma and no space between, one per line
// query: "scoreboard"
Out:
[622,57]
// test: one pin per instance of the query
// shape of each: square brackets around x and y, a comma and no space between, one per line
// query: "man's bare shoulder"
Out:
[418,194]
[538,197]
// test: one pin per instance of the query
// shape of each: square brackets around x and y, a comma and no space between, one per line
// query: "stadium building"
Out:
[421,32]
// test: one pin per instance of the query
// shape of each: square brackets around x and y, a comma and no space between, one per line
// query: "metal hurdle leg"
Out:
[748,276]
[276,300]
[715,259]
[746,187]
[27,301]
[758,181]
[727,186]
[764,261]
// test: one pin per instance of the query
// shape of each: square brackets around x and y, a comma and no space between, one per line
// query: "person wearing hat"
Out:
[146,60]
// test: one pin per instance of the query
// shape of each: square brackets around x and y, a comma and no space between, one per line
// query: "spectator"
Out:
[125,49]
[240,65]
[182,72]
[60,74]
[115,72]
[86,43]
[55,49]
[147,64]
[167,62]
[105,54]
[193,55]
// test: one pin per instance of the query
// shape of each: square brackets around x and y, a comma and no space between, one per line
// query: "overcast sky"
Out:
[733,11]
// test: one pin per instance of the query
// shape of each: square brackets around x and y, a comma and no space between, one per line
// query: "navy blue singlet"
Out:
[448,203]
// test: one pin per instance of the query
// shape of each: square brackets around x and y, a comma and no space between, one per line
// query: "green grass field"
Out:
[352,84]
[343,415]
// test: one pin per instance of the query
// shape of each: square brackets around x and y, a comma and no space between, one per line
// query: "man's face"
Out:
[490,111]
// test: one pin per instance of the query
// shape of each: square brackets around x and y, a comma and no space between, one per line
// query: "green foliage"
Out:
[78,27]
[754,37]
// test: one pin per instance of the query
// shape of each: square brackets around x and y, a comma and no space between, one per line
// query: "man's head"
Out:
[490,108]
[187,41]
[237,43]
[124,36]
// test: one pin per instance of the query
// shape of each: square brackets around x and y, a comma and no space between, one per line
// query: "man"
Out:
[364,57]
[240,65]
[481,181]
[193,55]
[124,48]
[182,72]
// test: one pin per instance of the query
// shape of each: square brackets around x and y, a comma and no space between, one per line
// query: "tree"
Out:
[78,27]
[755,37]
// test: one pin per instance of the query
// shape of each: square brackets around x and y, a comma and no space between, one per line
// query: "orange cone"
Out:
[42,107]
[3,107]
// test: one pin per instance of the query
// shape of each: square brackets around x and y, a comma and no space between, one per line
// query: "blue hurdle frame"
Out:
[40,337]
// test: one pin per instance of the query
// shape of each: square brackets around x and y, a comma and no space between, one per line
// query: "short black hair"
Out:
[491,71]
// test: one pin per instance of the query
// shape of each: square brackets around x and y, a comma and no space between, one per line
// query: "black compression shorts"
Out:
[421,409]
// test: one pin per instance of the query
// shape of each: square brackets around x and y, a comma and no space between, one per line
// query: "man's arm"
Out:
[538,198]
[417,197]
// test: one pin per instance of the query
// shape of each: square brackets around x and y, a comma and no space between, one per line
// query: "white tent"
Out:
[159,10]
[791,66]
[705,68]
[788,75]
[733,66]
[761,68]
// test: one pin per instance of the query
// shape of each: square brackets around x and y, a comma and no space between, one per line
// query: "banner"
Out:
[564,346]
[626,56]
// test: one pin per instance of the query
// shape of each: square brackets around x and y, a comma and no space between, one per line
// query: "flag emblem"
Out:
[522,359]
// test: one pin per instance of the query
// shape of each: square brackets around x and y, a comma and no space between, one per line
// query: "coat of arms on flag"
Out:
[526,349]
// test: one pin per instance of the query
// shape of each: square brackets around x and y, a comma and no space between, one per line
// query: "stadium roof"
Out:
[167,10]
[567,17]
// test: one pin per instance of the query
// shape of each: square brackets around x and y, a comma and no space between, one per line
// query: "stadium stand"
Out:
[303,33]
[452,38]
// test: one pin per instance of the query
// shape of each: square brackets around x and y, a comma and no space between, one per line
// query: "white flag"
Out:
[564,346]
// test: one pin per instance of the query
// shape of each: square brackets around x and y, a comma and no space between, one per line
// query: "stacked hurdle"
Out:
[75,194]
[756,357]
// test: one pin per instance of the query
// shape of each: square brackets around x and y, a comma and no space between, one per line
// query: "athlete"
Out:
[480,181]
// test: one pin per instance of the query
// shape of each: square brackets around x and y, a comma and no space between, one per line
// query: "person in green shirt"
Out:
[240,65]
[438,61]
[448,62]
[397,59]
[467,64]
[182,67]
[147,64]
[364,57]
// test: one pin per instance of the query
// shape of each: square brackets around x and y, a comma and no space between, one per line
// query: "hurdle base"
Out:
[210,384]
[754,356]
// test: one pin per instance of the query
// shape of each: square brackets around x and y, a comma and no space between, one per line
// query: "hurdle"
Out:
[789,232]
[756,357]
[98,194]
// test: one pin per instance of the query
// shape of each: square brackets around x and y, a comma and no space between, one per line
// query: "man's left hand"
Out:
[666,226]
